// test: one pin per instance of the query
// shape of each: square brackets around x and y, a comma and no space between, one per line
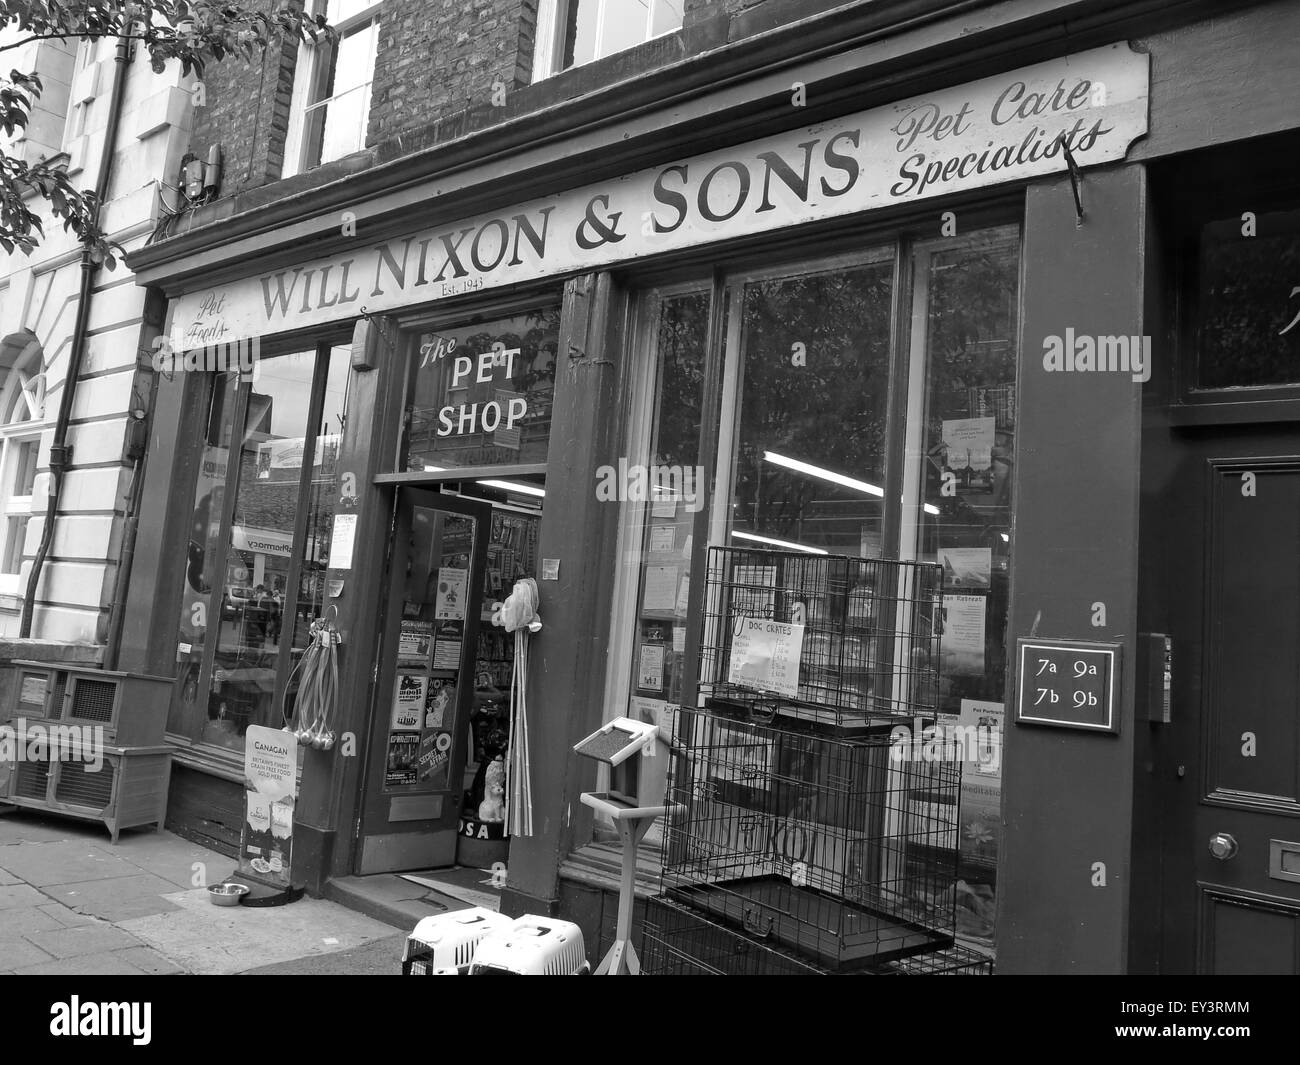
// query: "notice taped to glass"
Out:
[765,655]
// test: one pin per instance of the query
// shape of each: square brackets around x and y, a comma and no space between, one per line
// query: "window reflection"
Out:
[810,460]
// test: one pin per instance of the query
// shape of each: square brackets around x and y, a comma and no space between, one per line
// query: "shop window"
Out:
[811,433]
[330,106]
[258,546]
[573,32]
[852,422]
[1248,303]
[965,305]
[660,498]
[480,394]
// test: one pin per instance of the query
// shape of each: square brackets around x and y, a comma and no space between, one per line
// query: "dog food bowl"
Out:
[227,894]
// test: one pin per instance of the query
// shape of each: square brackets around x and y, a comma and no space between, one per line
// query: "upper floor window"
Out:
[22,411]
[331,87]
[573,32]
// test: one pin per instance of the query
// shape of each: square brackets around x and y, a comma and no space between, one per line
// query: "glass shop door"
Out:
[419,733]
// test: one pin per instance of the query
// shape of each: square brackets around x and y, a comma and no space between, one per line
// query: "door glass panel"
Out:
[969,291]
[810,454]
[435,614]
[1249,306]
[260,548]
[482,393]
[201,553]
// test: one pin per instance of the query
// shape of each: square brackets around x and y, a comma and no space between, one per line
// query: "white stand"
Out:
[632,822]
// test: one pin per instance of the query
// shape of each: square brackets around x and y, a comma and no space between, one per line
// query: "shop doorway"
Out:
[417,749]
[1231,751]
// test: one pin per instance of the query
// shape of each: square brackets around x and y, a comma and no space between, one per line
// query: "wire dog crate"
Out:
[833,847]
[864,634]
[809,829]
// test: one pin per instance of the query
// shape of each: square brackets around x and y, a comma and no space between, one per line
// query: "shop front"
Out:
[821,340]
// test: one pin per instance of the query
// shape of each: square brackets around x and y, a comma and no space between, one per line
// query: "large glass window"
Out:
[809,452]
[20,444]
[853,422]
[965,305]
[258,548]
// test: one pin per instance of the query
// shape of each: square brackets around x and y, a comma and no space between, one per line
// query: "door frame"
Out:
[386,667]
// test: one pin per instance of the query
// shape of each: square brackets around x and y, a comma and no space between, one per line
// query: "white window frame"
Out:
[304,76]
[22,391]
[552,17]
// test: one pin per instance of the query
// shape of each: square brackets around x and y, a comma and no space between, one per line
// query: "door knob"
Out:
[1223,846]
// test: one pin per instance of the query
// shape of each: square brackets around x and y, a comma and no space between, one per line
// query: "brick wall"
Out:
[247,113]
[440,57]
[441,70]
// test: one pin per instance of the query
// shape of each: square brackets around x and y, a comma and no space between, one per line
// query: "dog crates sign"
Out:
[266,843]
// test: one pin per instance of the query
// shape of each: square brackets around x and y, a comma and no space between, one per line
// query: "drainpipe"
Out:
[60,452]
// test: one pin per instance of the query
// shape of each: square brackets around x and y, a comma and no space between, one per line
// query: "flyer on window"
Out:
[961,647]
[765,655]
[452,586]
[408,701]
[415,639]
[403,749]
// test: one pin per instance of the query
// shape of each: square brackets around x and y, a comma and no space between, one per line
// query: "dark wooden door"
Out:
[1230,757]
[416,752]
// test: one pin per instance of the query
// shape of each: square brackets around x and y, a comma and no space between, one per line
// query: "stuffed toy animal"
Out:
[493,806]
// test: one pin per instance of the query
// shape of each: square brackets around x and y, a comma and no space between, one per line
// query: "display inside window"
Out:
[255,571]
[481,394]
[662,491]
[970,289]
[1248,306]
[811,441]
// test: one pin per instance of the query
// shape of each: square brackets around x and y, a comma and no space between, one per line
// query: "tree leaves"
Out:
[191,32]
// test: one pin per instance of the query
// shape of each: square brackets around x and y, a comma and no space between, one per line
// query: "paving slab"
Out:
[23,919]
[150,961]
[118,899]
[15,953]
[24,826]
[176,860]
[380,957]
[207,939]
[86,939]
[7,878]
[67,862]
[110,963]
[65,917]
[20,895]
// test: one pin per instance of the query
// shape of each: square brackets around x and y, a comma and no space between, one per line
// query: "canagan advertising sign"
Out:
[1005,128]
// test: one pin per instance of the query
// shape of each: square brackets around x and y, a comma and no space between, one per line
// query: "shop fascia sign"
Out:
[1005,128]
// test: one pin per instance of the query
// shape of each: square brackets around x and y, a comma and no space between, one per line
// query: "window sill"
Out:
[228,765]
[600,865]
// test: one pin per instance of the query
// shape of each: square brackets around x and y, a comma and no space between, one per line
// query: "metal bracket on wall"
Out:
[1075,178]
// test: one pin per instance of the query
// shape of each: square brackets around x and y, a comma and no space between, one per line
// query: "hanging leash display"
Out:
[518,614]
[318,687]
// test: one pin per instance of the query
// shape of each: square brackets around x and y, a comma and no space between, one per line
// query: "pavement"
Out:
[71,902]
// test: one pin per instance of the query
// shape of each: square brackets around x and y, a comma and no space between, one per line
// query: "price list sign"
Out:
[1068,684]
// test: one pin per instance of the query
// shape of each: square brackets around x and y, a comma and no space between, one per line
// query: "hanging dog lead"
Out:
[518,614]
